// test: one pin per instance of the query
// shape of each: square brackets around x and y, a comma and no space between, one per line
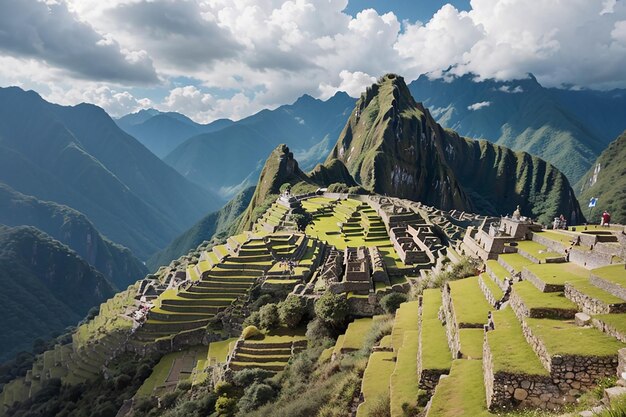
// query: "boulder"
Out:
[582,319]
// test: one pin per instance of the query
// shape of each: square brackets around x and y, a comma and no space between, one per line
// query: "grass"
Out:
[533,298]
[470,401]
[617,321]
[516,261]
[406,319]
[565,338]
[435,352]
[498,270]
[379,368]
[510,351]
[492,286]
[404,382]
[338,344]
[592,291]
[537,250]
[615,274]
[159,374]
[559,274]
[472,343]
[355,334]
[219,351]
[470,305]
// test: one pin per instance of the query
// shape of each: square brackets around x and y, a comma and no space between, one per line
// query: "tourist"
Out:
[606,219]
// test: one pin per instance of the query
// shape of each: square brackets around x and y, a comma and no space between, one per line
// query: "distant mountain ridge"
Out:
[553,124]
[73,229]
[162,132]
[392,146]
[77,156]
[45,288]
[230,159]
[606,181]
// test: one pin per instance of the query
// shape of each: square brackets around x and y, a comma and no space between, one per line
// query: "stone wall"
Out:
[609,287]
[541,285]
[506,390]
[521,310]
[491,299]
[609,329]
[589,259]
[590,305]
[452,328]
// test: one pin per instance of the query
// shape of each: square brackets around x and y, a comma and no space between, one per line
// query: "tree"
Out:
[332,309]
[269,317]
[285,187]
[391,302]
[291,311]
[301,220]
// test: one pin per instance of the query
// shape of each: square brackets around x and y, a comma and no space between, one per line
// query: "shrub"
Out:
[253,320]
[250,332]
[224,389]
[255,396]
[332,309]
[168,400]
[269,317]
[376,332]
[286,186]
[184,385]
[225,406]
[380,408]
[317,331]
[338,187]
[391,302]
[249,376]
[291,311]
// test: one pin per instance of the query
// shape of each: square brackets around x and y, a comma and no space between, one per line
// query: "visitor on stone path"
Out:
[606,219]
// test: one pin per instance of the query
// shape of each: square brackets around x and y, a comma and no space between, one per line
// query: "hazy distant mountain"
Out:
[522,115]
[229,160]
[221,222]
[162,132]
[77,156]
[45,287]
[393,146]
[73,229]
[606,180]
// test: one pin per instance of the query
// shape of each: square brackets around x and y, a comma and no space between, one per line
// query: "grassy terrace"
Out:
[617,321]
[564,238]
[470,401]
[435,352]
[379,368]
[615,274]
[498,270]
[404,381]
[565,338]
[559,274]
[472,343]
[470,305]
[509,349]
[592,291]
[159,374]
[271,352]
[515,261]
[537,250]
[492,286]
[355,334]
[406,319]
[534,299]
[219,351]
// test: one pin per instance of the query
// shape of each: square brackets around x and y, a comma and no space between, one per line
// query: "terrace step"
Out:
[612,324]
[493,293]
[264,352]
[241,357]
[611,279]
[593,300]
[527,301]
[552,277]
[513,262]
[538,253]
[273,367]
[450,401]
[498,273]
[434,353]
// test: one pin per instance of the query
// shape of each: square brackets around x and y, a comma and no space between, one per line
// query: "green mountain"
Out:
[524,116]
[77,156]
[231,159]
[73,229]
[393,146]
[216,224]
[45,287]
[606,180]
[163,132]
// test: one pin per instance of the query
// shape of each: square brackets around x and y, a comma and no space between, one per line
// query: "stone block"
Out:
[613,393]
[582,319]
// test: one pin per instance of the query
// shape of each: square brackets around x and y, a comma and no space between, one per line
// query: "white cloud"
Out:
[353,83]
[479,105]
[510,89]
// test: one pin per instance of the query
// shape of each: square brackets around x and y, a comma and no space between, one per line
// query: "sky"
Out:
[210,59]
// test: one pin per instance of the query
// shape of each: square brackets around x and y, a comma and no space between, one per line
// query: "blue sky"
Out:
[219,58]
[411,10]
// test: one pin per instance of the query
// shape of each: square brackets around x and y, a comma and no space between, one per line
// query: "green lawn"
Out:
[618,321]
[375,384]
[515,261]
[492,286]
[219,351]
[472,343]
[592,291]
[355,334]
[435,351]
[498,270]
[510,351]
[450,400]
[533,298]
[470,305]
[537,250]
[159,374]
[565,338]
[431,302]
[406,319]
[404,383]
[559,274]
[615,274]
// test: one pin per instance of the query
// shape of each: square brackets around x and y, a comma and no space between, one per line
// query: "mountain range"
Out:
[77,156]
[45,287]
[393,146]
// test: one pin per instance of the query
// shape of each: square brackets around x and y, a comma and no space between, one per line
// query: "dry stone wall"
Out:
[590,305]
